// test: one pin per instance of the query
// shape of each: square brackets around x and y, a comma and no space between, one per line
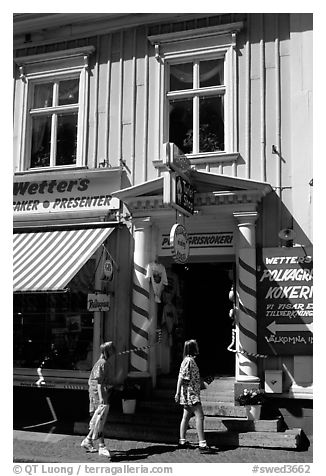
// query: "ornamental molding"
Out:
[215,199]
[196,33]
[84,52]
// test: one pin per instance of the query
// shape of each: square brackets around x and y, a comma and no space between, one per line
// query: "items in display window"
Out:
[55,330]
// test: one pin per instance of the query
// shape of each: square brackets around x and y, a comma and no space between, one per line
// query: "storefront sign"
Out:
[179,243]
[98,302]
[204,240]
[108,269]
[69,194]
[285,301]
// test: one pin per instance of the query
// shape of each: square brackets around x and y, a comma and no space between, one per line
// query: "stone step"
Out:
[216,397]
[223,409]
[222,383]
[290,439]
[239,424]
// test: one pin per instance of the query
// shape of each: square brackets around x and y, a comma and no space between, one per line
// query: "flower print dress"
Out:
[190,388]
[99,375]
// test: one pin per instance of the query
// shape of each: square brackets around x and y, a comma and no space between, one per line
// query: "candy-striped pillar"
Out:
[140,319]
[246,365]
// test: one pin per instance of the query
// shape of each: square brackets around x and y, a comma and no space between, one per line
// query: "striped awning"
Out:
[47,261]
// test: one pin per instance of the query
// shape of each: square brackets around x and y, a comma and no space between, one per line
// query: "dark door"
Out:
[206,315]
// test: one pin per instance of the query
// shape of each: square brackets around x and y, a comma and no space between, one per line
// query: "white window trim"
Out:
[203,43]
[64,65]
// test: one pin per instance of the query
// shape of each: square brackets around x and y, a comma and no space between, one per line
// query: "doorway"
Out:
[206,306]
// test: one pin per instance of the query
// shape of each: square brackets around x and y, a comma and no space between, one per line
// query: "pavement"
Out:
[37,447]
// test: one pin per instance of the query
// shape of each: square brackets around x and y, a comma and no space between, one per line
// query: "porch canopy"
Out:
[48,260]
[211,189]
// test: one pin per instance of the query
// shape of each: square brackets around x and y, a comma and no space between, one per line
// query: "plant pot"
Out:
[128,406]
[253,412]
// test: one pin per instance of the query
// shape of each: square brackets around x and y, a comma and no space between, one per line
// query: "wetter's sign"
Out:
[285,301]
[72,193]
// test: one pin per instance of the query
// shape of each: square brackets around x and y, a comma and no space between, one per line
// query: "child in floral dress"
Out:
[188,395]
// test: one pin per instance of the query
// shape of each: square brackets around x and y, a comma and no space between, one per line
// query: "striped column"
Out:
[140,318]
[246,365]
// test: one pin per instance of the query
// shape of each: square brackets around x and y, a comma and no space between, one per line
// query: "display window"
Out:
[55,330]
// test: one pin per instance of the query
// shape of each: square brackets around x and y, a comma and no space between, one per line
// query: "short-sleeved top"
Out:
[100,372]
[190,390]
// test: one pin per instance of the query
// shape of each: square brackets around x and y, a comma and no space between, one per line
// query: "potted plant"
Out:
[252,399]
[129,395]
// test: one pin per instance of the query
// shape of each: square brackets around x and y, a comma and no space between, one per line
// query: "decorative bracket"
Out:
[22,75]
[157,52]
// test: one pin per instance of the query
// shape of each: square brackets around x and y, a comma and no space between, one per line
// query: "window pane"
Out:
[181,76]
[54,328]
[68,91]
[211,73]
[41,141]
[43,95]
[211,124]
[67,139]
[181,124]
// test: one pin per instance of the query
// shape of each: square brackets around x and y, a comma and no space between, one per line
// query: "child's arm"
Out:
[181,381]
[177,394]
[100,389]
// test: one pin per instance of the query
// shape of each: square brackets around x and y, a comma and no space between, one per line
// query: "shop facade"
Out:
[134,123]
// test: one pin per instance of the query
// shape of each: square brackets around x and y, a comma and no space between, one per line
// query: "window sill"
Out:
[50,170]
[206,158]
[49,173]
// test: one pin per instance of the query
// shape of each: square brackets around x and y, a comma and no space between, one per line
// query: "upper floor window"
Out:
[54,123]
[196,105]
[198,85]
[55,109]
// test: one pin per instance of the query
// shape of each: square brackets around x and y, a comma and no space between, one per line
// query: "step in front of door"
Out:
[290,439]
[239,424]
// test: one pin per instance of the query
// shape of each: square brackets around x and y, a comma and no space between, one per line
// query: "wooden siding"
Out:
[274,106]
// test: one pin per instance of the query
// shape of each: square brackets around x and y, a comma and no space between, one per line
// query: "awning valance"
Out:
[47,261]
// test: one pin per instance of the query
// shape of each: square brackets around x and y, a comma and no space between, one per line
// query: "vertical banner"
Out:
[285,301]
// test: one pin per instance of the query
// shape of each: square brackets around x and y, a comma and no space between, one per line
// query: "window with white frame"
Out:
[196,105]
[54,119]
[198,81]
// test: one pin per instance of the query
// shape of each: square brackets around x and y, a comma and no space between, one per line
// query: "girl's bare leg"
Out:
[199,415]
[184,423]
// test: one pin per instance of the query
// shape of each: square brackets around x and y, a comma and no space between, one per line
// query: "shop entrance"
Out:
[202,304]
[206,315]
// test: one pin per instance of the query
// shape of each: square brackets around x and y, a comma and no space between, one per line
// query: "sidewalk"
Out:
[35,447]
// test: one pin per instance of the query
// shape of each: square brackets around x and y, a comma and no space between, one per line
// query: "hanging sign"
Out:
[108,269]
[178,192]
[180,243]
[98,302]
[184,195]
